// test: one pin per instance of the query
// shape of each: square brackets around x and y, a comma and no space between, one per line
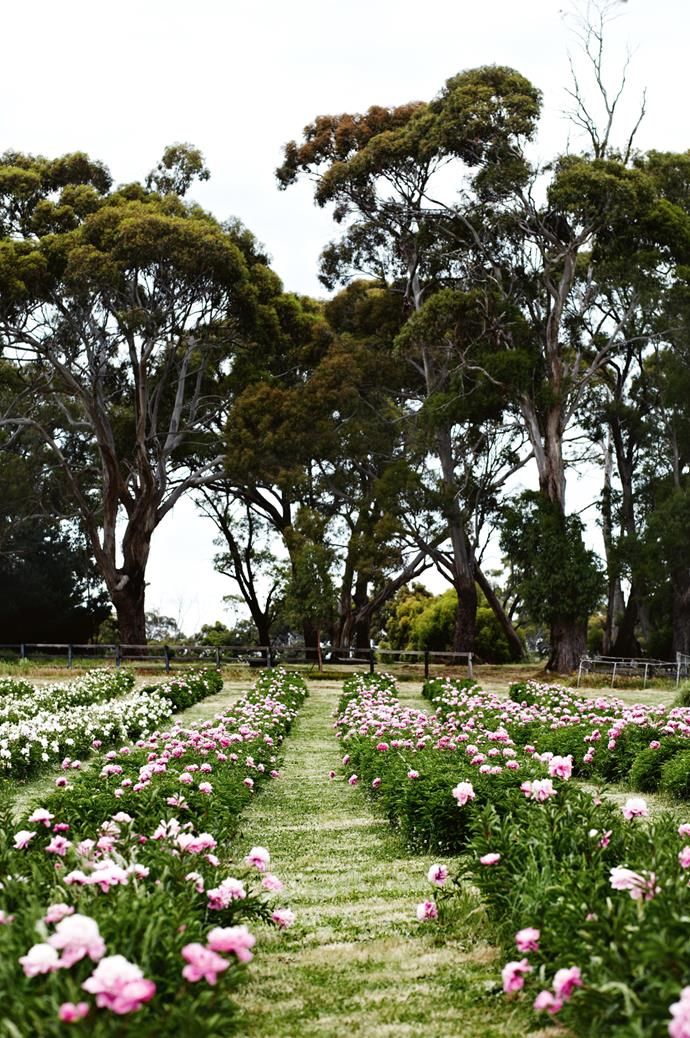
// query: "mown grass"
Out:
[357,962]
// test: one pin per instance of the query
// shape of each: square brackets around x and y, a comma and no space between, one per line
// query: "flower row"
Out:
[48,736]
[122,909]
[594,899]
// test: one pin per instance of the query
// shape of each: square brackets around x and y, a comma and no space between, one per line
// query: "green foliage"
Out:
[558,576]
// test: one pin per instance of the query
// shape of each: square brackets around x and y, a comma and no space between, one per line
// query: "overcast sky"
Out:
[239,79]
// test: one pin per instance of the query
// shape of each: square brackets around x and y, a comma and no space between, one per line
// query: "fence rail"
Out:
[251,655]
[627,667]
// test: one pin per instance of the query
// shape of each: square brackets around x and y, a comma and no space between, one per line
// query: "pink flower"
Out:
[463,792]
[259,858]
[222,896]
[412,774]
[55,913]
[684,857]
[186,779]
[561,767]
[353,780]
[58,845]
[234,939]
[641,887]
[546,1001]
[654,744]
[70,1013]
[565,982]
[376,783]
[331,774]
[527,940]
[635,807]
[119,985]
[283,918]
[248,782]
[679,1026]
[513,974]
[684,829]
[346,759]
[205,787]
[5,919]
[492,858]
[382,747]
[538,789]
[22,839]
[41,817]
[437,874]
[202,963]
[77,936]
[427,910]
[41,958]
[271,882]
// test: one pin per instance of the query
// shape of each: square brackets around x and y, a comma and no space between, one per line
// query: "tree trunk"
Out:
[515,645]
[312,646]
[625,643]
[568,644]
[131,616]
[466,616]
[680,581]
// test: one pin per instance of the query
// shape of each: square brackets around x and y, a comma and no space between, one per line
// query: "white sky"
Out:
[239,79]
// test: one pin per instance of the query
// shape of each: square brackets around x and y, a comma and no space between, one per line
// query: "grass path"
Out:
[357,962]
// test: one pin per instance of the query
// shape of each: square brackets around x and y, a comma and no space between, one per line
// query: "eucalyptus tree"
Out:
[385,172]
[122,307]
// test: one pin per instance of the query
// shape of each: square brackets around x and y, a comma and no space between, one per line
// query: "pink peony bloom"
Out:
[492,858]
[437,874]
[234,939]
[331,774]
[527,940]
[546,1001]
[76,936]
[283,918]
[205,787]
[376,783]
[565,982]
[259,858]
[463,792]
[684,829]
[513,974]
[58,845]
[271,882]
[41,958]
[654,744]
[70,1013]
[41,817]
[684,857]
[353,780]
[5,919]
[119,985]
[640,886]
[222,896]
[679,1026]
[635,807]
[561,767]
[22,839]
[56,913]
[202,963]
[412,774]
[427,910]
[538,789]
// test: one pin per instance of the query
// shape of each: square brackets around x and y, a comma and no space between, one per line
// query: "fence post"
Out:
[118,655]
[217,658]
[371,660]
[69,656]
[613,675]
[426,664]
[166,651]
[268,656]
[646,671]
[579,674]
[22,651]
[677,670]
[470,672]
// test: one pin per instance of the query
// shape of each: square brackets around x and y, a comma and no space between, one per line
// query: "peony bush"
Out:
[122,910]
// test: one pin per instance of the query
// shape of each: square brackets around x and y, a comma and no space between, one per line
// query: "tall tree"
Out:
[383,171]
[123,307]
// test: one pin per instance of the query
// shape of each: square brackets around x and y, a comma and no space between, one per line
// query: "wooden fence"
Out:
[249,655]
